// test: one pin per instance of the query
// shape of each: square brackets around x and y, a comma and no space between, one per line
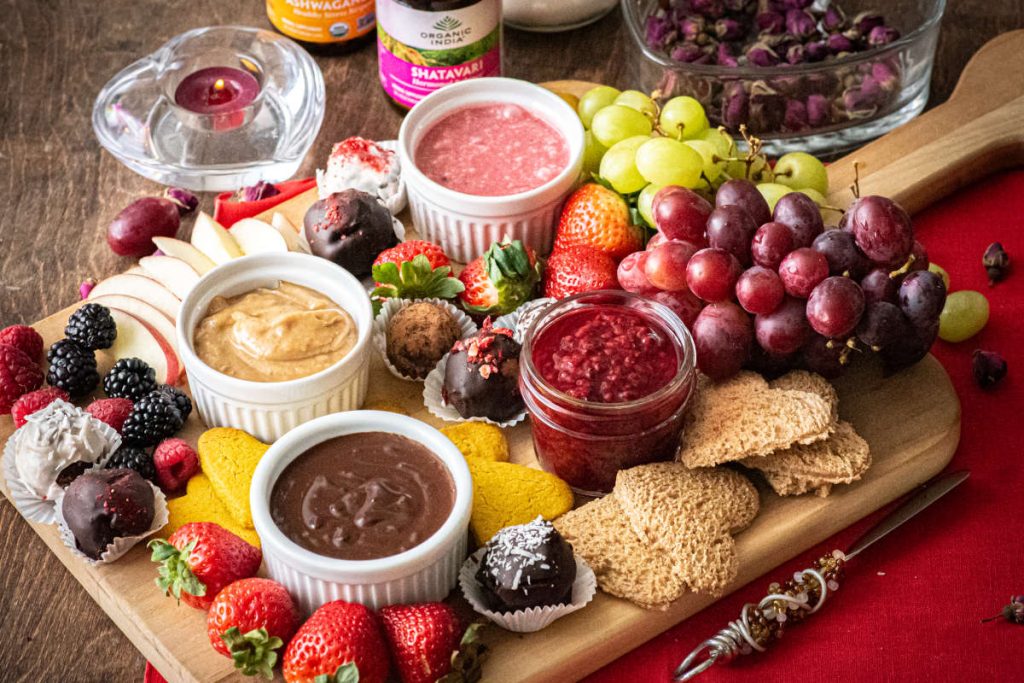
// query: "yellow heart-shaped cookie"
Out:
[201,504]
[229,458]
[505,494]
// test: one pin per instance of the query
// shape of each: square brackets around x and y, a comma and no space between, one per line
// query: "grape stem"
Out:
[904,269]
[855,187]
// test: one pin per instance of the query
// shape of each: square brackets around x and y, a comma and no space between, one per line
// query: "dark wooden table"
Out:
[59,190]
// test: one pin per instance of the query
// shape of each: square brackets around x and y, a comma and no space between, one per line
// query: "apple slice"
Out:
[256,237]
[140,287]
[210,237]
[137,270]
[292,235]
[161,326]
[186,252]
[173,273]
[136,339]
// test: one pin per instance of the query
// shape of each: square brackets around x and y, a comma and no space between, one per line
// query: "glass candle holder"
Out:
[139,115]
[644,362]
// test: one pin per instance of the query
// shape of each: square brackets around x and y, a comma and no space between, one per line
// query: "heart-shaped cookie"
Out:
[229,458]
[201,504]
[505,494]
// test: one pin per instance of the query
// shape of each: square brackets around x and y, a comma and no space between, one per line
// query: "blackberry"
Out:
[134,459]
[153,419]
[181,400]
[92,327]
[130,378]
[72,368]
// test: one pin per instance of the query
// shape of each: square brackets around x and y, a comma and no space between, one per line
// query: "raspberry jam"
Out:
[606,377]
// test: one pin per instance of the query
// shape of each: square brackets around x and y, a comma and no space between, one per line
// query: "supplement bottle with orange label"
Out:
[324,26]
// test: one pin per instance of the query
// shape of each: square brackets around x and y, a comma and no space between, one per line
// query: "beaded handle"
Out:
[762,624]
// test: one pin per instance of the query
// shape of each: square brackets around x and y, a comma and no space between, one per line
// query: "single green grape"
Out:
[723,143]
[593,101]
[713,164]
[634,99]
[617,122]
[773,192]
[829,215]
[941,272]
[760,171]
[800,170]
[592,153]
[645,203]
[683,118]
[963,316]
[669,162]
[618,166]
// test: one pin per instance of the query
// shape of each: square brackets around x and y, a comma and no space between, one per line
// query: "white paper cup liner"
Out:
[520,319]
[434,402]
[533,618]
[391,307]
[120,545]
[33,507]
[396,201]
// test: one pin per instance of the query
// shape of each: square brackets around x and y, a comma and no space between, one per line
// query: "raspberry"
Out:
[113,411]
[19,375]
[175,462]
[23,338]
[35,400]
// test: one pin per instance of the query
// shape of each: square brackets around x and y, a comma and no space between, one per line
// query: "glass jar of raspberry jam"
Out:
[606,377]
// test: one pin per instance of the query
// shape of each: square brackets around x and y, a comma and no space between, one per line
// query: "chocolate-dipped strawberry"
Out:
[103,505]
[481,378]
[349,228]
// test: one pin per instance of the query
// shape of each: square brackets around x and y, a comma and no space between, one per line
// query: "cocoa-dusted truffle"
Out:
[349,228]
[102,505]
[481,378]
[418,336]
[527,565]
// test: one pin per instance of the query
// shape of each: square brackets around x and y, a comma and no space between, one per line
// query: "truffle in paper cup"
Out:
[122,544]
[391,307]
[520,319]
[99,440]
[434,401]
[533,618]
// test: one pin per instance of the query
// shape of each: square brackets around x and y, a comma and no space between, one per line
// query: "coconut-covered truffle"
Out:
[103,505]
[527,565]
[418,336]
[481,377]
[349,228]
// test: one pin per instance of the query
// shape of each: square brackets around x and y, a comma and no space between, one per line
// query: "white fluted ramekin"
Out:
[424,573]
[465,225]
[268,410]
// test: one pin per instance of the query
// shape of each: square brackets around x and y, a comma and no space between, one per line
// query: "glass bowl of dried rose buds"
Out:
[819,76]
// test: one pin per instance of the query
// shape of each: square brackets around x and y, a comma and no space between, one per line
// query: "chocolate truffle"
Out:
[349,228]
[481,378]
[418,336]
[528,565]
[102,505]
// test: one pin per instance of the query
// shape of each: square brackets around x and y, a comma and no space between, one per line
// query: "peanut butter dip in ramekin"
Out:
[274,335]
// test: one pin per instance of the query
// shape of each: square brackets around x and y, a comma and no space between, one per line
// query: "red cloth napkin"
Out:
[910,607]
[228,212]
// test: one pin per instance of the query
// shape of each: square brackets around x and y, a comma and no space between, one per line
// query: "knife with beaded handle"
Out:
[791,602]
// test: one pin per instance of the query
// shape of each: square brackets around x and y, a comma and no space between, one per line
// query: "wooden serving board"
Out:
[910,420]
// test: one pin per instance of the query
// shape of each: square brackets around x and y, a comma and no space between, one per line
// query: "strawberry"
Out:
[176,462]
[113,411]
[249,621]
[23,338]
[425,641]
[340,643]
[501,280]
[579,269]
[407,251]
[199,559]
[597,217]
[35,400]
[415,279]
[19,375]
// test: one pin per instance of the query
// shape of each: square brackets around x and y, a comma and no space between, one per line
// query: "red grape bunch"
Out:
[775,289]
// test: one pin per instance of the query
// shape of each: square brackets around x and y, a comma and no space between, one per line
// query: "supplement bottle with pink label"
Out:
[423,45]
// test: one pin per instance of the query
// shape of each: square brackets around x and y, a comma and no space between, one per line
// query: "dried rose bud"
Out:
[760,54]
[838,43]
[86,287]
[724,56]
[859,104]
[833,19]
[989,368]
[882,35]
[254,193]
[767,111]
[800,23]
[815,51]
[712,9]
[737,6]
[186,201]
[796,54]
[796,4]
[819,110]
[771,22]
[796,115]
[735,105]
[728,29]
[692,28]
[996,262]
[885,76]
[659,31]
[687,53]
[865,21]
